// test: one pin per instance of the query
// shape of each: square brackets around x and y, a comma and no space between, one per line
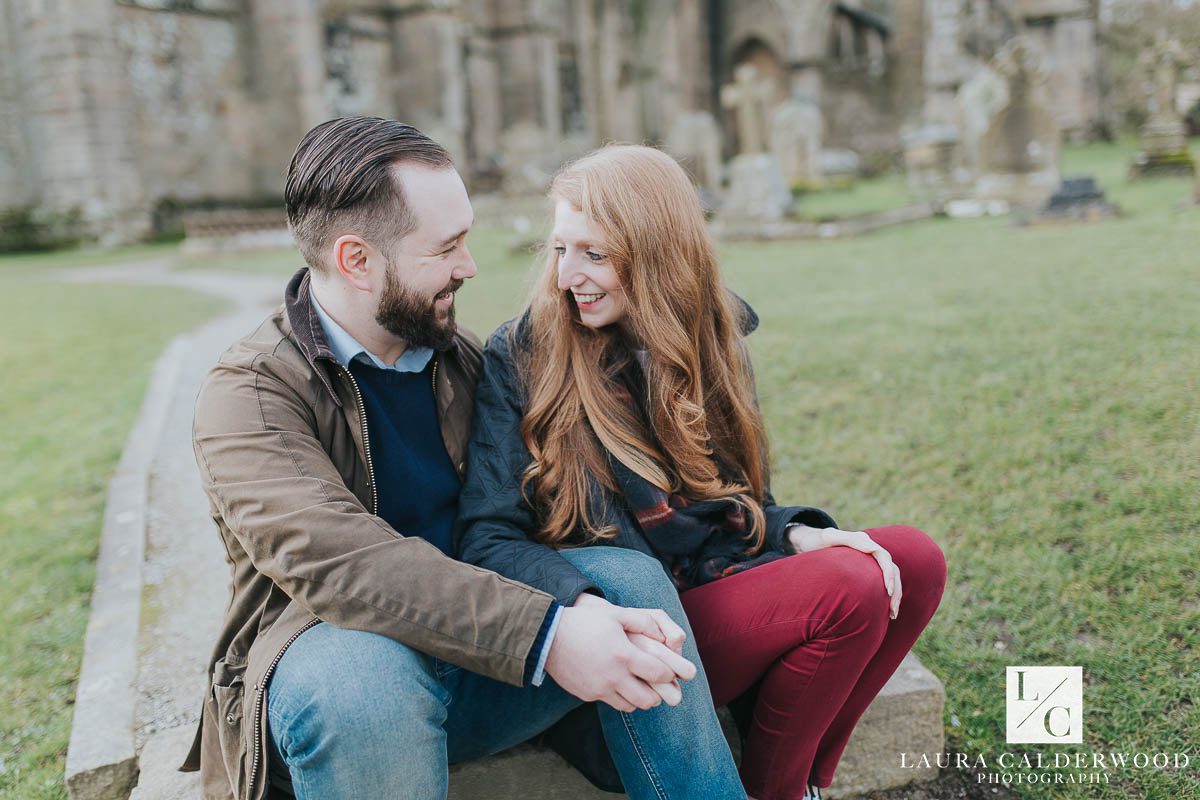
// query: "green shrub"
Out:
[29,229]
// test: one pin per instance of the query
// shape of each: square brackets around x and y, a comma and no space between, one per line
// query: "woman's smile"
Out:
[587,302]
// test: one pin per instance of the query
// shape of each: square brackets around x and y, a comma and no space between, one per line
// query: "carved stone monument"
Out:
[795,139]
[1163,137]
[1011,141]
[757,191]
[748,97]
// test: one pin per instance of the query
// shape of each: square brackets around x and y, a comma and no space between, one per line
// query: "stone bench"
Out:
[905,717]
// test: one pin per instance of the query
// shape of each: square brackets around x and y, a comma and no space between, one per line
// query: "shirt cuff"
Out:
[545,639]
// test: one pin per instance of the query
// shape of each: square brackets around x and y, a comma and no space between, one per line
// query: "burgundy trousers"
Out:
[813,631]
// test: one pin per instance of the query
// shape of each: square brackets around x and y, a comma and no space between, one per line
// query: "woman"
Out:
[619,410]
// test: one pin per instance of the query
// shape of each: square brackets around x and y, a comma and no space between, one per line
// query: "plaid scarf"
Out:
[699,541]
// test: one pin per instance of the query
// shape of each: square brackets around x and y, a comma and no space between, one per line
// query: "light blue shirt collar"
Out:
[346,348]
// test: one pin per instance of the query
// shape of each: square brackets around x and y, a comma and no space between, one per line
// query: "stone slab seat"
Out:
[905,717]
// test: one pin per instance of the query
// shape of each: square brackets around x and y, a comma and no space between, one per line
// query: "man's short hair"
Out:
[340,180]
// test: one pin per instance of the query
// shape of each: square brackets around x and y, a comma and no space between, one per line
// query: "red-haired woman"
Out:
[619,410]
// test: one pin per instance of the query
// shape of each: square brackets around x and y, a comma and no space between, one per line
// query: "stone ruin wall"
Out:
[191,122]
[114,105]
[19,176]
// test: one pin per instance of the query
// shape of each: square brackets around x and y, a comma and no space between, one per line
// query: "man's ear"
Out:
[350,254]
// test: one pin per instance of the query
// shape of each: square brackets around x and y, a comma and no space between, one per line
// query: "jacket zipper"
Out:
[362,418]
[259,691]
[266,678]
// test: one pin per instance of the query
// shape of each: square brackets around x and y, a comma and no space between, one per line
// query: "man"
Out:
[358,658]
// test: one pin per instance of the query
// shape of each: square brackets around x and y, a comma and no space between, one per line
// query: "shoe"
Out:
[813,792]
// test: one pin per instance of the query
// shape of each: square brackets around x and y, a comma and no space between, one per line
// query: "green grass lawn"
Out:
[866,196]
[1030,397]
[1026,395]
[76,360]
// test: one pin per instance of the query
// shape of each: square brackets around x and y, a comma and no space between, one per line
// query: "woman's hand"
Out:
[668,632]
[805,540]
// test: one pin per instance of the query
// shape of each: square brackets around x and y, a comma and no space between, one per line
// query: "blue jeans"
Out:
[358,715]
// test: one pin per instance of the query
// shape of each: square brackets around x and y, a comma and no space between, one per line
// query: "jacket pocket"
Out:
[228,689]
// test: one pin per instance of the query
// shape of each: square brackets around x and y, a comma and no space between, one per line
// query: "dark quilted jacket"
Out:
[495,523]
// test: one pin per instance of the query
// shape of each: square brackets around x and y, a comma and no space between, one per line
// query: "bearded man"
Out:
[358,657]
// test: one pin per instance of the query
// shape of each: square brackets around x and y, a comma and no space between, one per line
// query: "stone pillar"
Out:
[546,48]
[78,105]
[483,80]
[945,66]
[19,178]
[805,81]
[689,79]
[908,49]
[429,78]
[587,45]
[618,107]
[289,82]
[846,43]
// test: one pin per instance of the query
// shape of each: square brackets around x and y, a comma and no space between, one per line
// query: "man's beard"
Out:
[413,317]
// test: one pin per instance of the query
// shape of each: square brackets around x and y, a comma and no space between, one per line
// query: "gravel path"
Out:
[185,576]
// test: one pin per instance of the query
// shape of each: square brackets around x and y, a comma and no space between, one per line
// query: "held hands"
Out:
[626,657]
[805,540]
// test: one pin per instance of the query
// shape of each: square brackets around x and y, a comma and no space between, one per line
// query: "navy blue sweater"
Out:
[415,480]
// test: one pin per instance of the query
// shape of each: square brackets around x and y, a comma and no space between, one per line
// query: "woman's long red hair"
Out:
[700,399]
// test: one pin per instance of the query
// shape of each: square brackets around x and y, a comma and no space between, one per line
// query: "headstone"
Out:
[1078,199]
[933,162]
[795,139]
[695,141]
[748,96]
[839,166]
[757,192]
[1187,103]
[1011,140]
[1163,137]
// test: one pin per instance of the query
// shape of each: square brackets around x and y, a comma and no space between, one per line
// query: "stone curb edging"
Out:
[101,757]
[734,230]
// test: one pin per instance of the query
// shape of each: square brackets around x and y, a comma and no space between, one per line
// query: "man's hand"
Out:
[805,540]
[593,658]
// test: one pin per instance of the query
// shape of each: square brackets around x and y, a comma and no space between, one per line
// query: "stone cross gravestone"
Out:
[1163,138]
[748,96]
[757,191]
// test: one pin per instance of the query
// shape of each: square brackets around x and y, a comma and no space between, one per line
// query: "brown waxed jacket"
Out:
[279,438]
